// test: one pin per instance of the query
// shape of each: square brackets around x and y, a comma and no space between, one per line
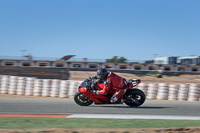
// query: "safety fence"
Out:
[31,86]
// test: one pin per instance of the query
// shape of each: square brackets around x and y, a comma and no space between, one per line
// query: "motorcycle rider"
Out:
[111,80]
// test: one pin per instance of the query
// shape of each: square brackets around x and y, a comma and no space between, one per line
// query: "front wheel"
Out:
[135,97]
[82,100]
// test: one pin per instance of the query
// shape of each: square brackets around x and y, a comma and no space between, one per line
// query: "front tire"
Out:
[82,100]
[135,97]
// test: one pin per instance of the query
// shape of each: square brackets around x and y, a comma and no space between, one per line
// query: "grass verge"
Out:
[38,123]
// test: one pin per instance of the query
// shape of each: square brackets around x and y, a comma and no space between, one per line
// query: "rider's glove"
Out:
[93,85]
[95,77]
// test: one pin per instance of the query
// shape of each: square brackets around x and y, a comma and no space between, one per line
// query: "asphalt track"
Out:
[67,106]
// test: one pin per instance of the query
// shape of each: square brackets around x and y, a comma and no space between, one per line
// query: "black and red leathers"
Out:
[115,82]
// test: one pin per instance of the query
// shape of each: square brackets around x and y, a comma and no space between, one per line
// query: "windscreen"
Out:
[84,83]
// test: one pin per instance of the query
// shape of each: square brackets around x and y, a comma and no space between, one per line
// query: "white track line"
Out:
[111,116]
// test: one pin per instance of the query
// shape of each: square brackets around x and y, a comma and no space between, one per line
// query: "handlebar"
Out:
[90,84]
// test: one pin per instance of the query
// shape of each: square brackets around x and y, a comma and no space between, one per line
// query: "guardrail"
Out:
[32,86]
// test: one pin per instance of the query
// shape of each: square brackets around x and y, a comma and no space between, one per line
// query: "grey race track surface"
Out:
[67,106]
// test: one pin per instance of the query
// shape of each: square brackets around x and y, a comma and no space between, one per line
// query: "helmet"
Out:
[102,73]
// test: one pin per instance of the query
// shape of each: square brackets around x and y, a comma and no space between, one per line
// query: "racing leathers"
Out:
[116,82]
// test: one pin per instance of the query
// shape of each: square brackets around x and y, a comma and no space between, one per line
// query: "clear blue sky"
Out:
[134,29]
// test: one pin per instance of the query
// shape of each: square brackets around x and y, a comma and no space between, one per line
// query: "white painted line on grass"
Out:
[111,116]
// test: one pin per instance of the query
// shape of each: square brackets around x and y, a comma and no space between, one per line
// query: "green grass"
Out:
[37,123]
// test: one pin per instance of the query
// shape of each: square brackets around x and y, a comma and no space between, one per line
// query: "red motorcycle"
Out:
[85,96]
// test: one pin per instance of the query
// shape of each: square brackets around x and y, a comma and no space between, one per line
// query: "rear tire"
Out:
[82,100]
[137,95]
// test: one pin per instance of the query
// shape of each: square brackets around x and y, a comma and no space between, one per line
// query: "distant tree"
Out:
[149,62]
[134,62]
[122,60]
[115,59]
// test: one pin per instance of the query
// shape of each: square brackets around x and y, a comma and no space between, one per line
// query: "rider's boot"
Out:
[114,101]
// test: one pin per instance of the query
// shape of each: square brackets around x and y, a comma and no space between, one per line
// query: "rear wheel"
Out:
[82,100]
[135,97]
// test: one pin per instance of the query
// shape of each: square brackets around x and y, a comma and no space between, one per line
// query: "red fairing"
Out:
[139,81]
[100,86]
[93,97]
[82,89]
[133,83]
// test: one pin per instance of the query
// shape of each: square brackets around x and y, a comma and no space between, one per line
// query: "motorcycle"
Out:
[85,96]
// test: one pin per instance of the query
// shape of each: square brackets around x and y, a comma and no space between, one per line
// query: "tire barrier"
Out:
[32,86]
[163,91]
[194,92]
[0,83]
[37,90]
[183,92]
[55,85]
[143,87]
[64,87]
[5,81]
[12,85]
[29,86]
[73,88]
[152,91]
[173,92]
[46,87]
[21,85]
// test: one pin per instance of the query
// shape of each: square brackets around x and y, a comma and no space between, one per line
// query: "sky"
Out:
[100,29]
